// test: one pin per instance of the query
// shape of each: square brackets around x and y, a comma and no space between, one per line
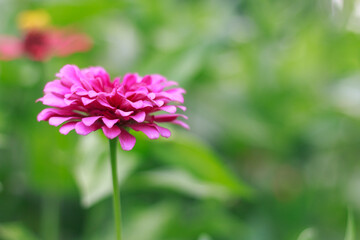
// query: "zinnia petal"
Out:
[56,121]
[149,130]
[67,127]
[109,122]
[168,117]
[127,141]
[111,132]
[168,108]
[164,132]
[139,117]
[82,129]
[88,121]
[181,123]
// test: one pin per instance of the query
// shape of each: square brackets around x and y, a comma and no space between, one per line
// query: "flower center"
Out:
[36,45]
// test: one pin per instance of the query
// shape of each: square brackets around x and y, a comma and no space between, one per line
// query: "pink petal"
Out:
[104,102]
[127,141]
[10,48]
[67,127]
[54,101]
[182,108]
[109,122]
[147,79]
[176,94]
[137,104]
[87,101]
[56,121]
[88,121]
[92,93]
[123,113]
[45,114]
[168,117]
[170,83]
[164,132]
[82,129]
[130,79]
[69,75]
[69,102]
[151,95]
[159,103]
[66,42]
[111,132]
[181,123]
[139,117]
[168,108]
[138,93]
[56,87]
[149,131]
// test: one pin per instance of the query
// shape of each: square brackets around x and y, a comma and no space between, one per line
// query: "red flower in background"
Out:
[39,42]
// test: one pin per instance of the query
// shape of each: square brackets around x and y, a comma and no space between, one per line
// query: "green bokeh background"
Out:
[273,98]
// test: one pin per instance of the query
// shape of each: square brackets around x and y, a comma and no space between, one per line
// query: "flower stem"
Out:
[50,218]
[116,194]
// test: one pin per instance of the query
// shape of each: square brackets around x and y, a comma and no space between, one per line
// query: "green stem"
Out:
[116,193]
[50,218]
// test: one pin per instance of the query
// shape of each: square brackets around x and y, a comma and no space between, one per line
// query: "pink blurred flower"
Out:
[42,44]
[86,100]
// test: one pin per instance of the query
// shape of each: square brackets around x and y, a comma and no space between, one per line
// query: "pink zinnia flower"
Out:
[86,100]
[42,44]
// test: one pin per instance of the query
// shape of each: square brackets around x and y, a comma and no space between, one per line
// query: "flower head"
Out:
[39,41]
[87,100]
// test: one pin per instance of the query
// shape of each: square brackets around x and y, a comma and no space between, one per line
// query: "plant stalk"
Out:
[116,193]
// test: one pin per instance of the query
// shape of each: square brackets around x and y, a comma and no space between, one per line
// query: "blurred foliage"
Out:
[273,97]
[350,229]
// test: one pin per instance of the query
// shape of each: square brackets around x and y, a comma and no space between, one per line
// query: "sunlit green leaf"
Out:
[152,222]
[15,231]
[308,234]
[204,237]
[350,228]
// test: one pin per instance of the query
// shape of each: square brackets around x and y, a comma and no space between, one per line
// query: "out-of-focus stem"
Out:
[50,218]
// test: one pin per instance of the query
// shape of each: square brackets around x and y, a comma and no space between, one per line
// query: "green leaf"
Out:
[204,237]
[190,154]
[15,231]
[350,228]
[181,181]
[92,169]
[308,234]
[152,222]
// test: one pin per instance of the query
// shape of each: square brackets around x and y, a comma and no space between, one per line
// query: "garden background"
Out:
[273,98]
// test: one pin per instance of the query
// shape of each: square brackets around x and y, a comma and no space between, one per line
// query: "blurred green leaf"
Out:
[350,228]
[191,154]
[92,169]
[204,237]
[150,223]
[182,181]
[15,231]
[308,234]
